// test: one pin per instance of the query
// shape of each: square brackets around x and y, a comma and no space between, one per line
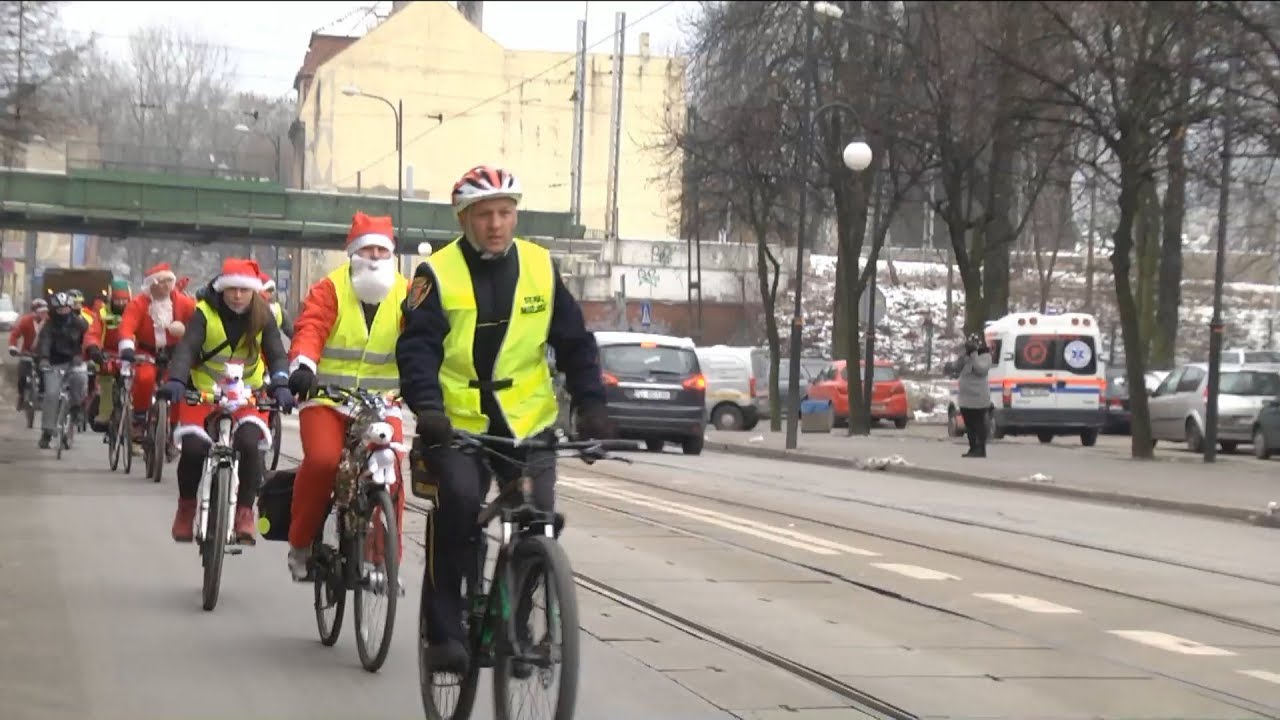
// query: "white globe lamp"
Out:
[857,156]
[424,248]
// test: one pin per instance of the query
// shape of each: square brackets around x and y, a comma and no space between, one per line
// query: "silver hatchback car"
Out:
[1178,404]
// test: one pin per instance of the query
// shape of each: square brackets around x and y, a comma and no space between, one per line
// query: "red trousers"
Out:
[144,386]
[324,432]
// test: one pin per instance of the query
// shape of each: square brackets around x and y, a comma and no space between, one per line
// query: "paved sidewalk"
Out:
[1237,487]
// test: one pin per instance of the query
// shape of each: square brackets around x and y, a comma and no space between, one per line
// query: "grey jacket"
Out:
[973,391]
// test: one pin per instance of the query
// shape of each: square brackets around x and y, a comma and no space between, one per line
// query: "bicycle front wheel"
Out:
[214,545]
[159,440]
[277,430]
[377,554]
[329,581]
[114,441]
[60,427]
[545,630]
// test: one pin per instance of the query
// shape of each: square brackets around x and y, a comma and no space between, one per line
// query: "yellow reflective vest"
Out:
[356,356]
[278,313]
[206,375]
[110,320]
[521,377]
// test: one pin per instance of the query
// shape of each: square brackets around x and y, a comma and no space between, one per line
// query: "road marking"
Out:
[783,536]
[1266,675]
[1028,603]
[1172,643]
[915,571]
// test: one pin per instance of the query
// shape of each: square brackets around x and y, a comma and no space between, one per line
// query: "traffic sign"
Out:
[646,314]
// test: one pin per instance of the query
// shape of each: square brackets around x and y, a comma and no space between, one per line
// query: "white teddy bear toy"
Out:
[232,388]
[384,454]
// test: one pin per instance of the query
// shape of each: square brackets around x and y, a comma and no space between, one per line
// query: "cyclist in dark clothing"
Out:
[59,352]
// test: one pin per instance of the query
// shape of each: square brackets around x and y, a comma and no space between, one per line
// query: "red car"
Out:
[888,395]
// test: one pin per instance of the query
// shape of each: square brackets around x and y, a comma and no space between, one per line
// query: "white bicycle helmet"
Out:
[483,182]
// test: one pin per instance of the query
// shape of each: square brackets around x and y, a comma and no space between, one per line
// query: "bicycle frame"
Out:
[221,456]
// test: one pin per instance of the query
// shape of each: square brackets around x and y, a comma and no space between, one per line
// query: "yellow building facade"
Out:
[469,101]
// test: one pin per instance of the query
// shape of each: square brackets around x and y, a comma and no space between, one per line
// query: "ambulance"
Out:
[1046,378]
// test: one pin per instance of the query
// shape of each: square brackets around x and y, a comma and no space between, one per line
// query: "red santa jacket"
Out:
[138,327]
[23,335]
[313,324]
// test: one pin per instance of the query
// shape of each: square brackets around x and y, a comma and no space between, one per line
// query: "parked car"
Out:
[733,383]
[1116,400]
[655,389]
[888,393]
[1178,404]
[809,369]
[1266,429]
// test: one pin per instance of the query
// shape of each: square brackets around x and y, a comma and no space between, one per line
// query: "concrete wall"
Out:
[429,56]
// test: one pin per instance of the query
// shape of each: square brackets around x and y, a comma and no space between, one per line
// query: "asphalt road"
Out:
[947,601]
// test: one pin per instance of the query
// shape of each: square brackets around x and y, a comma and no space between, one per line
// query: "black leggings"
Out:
[975,426]
[245,441]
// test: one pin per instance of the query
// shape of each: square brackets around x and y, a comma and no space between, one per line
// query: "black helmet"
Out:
[59,300]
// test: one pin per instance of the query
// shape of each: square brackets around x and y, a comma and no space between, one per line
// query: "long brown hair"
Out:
[256,319]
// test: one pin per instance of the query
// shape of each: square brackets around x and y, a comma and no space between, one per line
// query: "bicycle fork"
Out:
[212,465]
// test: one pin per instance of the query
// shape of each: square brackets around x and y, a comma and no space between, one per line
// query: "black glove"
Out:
[593,422]
[127,355]
[434,428]
[95,354]
[284,398]
[302,381]
[13,352]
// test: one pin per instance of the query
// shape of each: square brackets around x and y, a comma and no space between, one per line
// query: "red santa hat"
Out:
[369,230]
[157,273]
[239,273]
[267,282]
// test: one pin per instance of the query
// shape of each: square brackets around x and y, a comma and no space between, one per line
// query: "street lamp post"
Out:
[857,157]
[398,109]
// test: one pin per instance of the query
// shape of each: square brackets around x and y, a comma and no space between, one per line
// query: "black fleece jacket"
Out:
[188,351]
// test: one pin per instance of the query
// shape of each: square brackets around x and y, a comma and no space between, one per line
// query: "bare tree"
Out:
[36,61]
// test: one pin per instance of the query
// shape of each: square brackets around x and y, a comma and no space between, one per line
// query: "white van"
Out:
[1046,379]
[734,384]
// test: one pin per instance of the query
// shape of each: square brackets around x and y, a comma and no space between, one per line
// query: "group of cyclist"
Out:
[464,343]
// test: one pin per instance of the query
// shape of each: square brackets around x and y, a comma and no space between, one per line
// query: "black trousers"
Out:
[453,540]
[975,426]
[191,464]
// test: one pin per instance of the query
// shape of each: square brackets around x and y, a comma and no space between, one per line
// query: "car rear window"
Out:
[1066,353]
[1251,384]
[880,374]
[1262,356]
[639,360]
[1117,384]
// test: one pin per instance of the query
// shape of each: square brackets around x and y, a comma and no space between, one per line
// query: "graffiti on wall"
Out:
[648,277]
[660,254]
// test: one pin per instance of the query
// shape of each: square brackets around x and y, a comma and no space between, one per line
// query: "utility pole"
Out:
[806,153]
[579,118]
[615,128]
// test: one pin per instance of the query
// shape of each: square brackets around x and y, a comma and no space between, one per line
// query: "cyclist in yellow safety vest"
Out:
[104,337]
[282,318]
[480,315]
[345,335]
[232,326]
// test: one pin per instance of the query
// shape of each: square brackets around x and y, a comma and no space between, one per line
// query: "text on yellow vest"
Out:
[521,376]
[206,375]
[355,355]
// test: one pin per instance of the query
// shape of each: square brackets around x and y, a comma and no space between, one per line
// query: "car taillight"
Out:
[1007,396]
[751,385]
[696,382]
[608,378]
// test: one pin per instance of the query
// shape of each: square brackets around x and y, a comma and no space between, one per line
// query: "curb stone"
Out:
[1219,512]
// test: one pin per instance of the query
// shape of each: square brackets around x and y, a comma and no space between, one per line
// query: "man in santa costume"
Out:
[153,322]
[346,336]
[22,339]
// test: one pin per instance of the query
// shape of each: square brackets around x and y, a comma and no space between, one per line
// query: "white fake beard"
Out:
[161,316]
[372,279]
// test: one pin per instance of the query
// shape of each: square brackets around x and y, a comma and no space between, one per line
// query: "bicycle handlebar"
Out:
[588,450]
[197,397]
[340,394]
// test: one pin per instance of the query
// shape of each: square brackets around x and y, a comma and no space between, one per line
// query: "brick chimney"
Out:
[473,11]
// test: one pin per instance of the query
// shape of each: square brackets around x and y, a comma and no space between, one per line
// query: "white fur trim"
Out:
[150,280]
[269,285]
[184,430]
[262,425]
[244,282]
[365,241]
[302,361]
[124,345]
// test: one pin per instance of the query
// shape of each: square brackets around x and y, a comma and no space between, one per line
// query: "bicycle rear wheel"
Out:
[213,547]
[29,399]
[329,584]
[376,551]
[60,426]
[522,671]
[114,441]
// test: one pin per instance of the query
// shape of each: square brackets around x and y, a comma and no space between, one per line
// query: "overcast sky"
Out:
[267,40]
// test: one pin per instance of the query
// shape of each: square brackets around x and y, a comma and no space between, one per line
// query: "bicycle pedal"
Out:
[233,550]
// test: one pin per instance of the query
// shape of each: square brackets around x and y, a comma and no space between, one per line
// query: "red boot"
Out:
[184,520]
[244,526]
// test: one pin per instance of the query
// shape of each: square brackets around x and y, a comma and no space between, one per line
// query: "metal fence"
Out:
[185,162]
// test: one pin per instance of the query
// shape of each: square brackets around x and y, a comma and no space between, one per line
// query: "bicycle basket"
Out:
[274,504]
